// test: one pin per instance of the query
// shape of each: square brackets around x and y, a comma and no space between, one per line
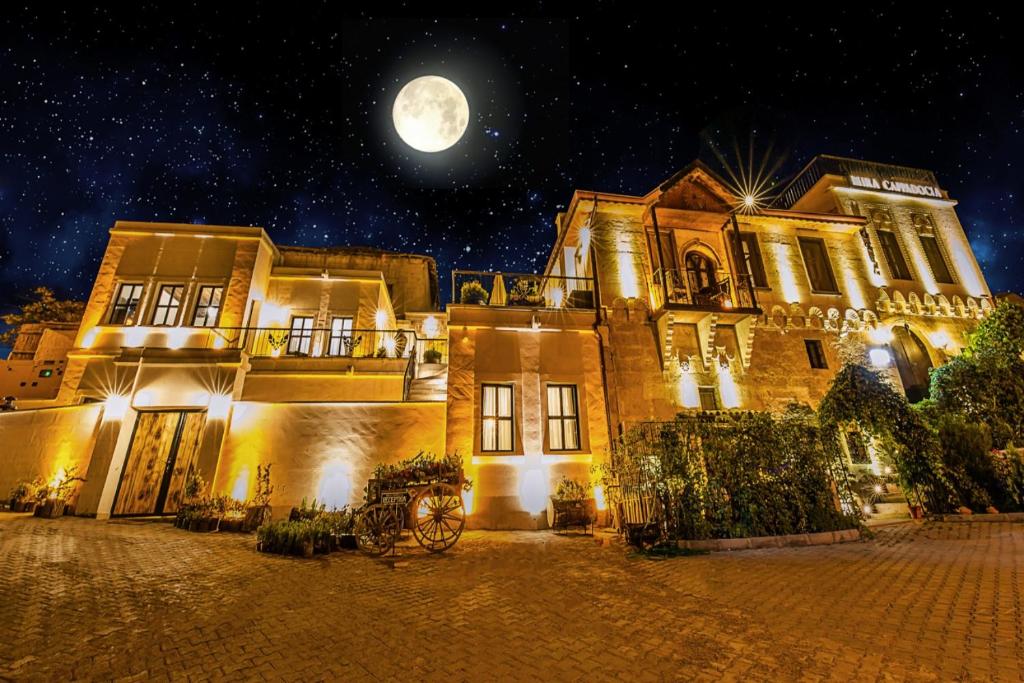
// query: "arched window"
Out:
[701,276]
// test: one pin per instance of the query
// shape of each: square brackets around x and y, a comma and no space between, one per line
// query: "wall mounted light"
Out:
[880,358]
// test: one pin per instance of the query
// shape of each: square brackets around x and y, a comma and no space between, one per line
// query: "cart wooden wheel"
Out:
[440,517]
[377,528]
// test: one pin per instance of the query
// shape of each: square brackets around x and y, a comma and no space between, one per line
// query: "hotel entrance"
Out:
[164,444]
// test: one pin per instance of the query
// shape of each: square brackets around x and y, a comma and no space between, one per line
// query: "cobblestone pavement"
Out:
[81,599]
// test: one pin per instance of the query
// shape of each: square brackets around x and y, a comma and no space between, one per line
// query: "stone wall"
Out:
[38,443]
[322,450]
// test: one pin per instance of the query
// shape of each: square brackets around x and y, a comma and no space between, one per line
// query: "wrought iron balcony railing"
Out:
[685,291]
[522,290]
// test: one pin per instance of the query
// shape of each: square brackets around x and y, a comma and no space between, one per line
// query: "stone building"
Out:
[213,347]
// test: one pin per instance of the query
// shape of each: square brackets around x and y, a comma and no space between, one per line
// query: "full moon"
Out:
[430,113]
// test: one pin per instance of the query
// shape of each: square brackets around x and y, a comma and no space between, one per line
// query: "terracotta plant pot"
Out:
[347,542]
[307,549]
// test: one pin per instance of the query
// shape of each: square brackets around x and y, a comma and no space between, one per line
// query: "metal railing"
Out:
[831,165]
[275,342]
[684,291]
[522,290]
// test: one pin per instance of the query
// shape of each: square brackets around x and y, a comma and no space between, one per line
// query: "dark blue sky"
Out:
[278,115]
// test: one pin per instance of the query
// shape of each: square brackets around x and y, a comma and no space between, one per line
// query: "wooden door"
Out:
[152,479]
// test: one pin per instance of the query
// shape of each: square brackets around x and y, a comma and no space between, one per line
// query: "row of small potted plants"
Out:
[308,531]
[202,512]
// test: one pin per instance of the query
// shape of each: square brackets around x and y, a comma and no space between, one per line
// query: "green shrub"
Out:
[472,292]
[738,475]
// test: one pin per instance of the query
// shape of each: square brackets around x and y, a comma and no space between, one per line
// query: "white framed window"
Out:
[207,306]
[300,335]
[340,343]
[126,304]
[168,304]
[497,408]
[563,417]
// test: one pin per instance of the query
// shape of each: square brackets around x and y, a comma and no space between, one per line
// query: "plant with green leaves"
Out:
[472,292]
[45,307]
[571,490]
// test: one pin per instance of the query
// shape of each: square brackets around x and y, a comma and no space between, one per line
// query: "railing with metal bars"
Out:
[522,290]
[683,290]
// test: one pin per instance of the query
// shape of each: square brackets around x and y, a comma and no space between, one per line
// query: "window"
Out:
[816,354]
[708,398]
[496,410]
[207,306]
[125,304]
[300,335]
[340,343]
[819,270]
[46,373]
[168,304]
[935,259]
[893,255]
[563,418]
[752,263]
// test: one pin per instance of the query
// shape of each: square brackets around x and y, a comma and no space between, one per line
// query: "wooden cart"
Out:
[432,510]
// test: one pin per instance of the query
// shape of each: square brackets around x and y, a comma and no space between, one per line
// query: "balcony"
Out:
[327,343]
[731,297]
[523,290]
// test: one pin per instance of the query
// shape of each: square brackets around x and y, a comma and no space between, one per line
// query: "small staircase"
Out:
[431,384]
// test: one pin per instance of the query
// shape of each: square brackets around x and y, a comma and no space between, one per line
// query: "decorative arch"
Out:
[815,318]
[778,316]
[943,303]
[899,303]
[914,303]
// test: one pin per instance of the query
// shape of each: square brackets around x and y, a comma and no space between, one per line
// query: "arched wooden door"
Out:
[912,362]
[701,277]
[164,445]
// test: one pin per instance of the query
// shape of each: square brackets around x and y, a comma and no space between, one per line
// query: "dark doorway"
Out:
[913,363]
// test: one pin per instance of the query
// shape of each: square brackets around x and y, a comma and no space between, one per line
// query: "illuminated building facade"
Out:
[213,347]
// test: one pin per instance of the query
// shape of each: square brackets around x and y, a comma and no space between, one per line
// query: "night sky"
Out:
[279,116]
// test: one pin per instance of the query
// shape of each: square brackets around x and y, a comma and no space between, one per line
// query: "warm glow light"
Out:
[89,338]
[585,234]
[790,290]
[58,478]
[533,491]
[275,352]
[940,339]
[240,491]
[273,314]
[880,335]
[381,318]
[389,345]
[599,499]
[176,337]
[880,358]
[727,388]
[144,398]
[135,337]
[114,407]
[749,201]
[467,501]
[220,405]
[628,280]
[219,342]
[557,297]
[689,395]
[431,328]
[335,489]
[199,398]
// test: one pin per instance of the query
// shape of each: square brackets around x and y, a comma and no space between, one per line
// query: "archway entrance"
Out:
[913,363]
[701,277]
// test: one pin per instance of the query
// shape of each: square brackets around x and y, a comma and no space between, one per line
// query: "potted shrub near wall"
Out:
[53,498]
[258,512]
[572,505]
[23,496]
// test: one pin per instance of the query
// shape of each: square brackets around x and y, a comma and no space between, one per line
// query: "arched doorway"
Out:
[912,361]
[701,277]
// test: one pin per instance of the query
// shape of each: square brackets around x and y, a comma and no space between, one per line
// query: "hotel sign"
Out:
[900,186]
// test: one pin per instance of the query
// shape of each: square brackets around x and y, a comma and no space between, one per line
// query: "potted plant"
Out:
[258,512]
[472,292]
[571,505]
[23,496]
[432,357]
[53,497]
[526,292]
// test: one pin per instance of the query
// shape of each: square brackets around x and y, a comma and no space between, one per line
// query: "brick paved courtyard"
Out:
[94,600]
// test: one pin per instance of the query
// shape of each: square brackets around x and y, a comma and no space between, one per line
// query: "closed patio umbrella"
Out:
[498,295]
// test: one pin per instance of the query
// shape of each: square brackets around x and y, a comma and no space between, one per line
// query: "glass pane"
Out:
[935,260]
[554,401]
[488,402]
[504,435]
[555,434]
[215,296]
[569,400]
[504,401]
[571,442]
[489,441]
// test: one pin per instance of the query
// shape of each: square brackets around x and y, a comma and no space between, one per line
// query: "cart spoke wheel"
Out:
[440,517]
[377,528]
